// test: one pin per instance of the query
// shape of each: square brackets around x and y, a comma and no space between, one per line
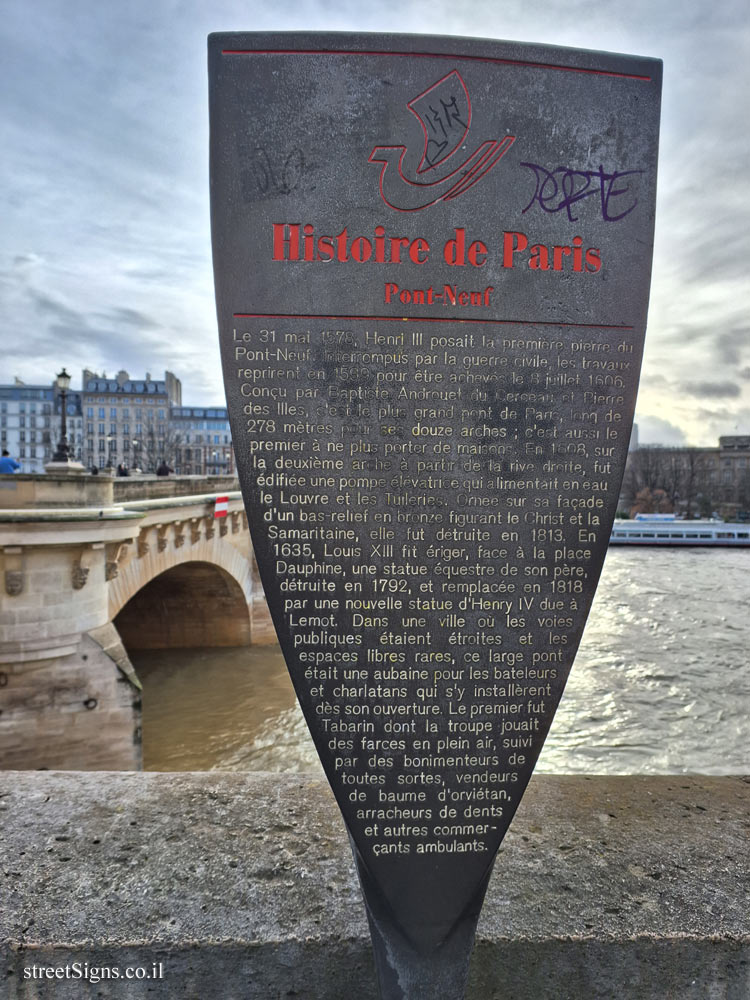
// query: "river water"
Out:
[660,685]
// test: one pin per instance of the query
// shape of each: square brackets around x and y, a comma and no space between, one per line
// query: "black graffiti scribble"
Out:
[563,187]
[443,121]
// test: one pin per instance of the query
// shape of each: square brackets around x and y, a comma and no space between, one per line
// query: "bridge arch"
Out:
[141,567]
[191,604]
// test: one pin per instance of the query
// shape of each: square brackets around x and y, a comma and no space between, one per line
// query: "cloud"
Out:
[104,187]
[47,305]
[728,345]
[712,390]
[130,317]
[657,430]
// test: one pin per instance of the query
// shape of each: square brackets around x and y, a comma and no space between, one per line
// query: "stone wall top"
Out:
[242,885]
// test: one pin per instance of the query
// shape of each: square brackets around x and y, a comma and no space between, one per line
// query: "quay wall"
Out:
[242,886]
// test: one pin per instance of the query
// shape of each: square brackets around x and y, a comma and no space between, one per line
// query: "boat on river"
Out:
[666,529]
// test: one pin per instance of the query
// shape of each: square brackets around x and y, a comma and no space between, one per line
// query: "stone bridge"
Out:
[83,585]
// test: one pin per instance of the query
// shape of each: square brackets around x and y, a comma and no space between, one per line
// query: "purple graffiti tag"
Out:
[563,187]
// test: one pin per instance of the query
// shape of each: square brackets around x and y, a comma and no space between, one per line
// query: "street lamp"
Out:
[63,448]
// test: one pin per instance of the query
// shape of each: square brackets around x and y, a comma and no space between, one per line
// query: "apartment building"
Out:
[127,421]
[203,443]
[26,423]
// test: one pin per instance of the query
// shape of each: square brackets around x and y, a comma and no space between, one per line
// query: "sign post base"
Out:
[411,969]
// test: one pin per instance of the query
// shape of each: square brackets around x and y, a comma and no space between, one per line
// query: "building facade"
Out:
[111,422]
[204,443]
[691,480]
[26,424]
[127,421]
[730,469]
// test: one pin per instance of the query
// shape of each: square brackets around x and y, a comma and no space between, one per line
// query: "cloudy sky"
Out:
[104,243]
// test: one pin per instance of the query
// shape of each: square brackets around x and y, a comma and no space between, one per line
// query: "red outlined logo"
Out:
[409,182]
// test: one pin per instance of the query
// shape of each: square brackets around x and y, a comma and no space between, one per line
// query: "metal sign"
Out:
[432,261]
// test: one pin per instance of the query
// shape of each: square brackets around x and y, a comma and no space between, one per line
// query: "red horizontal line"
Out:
[436,319]
[433,55]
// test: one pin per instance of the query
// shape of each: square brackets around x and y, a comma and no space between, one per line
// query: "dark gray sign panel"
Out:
[432,261]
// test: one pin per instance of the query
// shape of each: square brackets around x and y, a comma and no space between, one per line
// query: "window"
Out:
[113,413]
[126,413]
[101,429]
[126,428]
[90,443]
[90,428]
[113,428]
[89,411]
[101,413]
[22,436]
[102,444]
[22,452]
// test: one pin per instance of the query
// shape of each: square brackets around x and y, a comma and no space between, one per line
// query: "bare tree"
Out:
[695,480]
[155,448]
[646,469]
[668,479]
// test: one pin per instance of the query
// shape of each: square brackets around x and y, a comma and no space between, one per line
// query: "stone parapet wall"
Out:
[55,490]
[84,490]
[128,488]
[242,886]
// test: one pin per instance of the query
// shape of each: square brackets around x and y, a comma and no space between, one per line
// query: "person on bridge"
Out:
[8,464]
[163,469]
